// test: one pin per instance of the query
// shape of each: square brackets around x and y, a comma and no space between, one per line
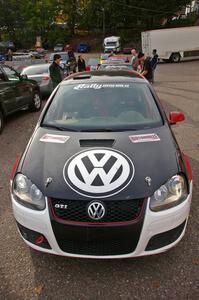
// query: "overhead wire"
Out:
[142,8]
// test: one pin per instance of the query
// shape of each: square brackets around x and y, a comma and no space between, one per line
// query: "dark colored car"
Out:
[103,175]
[127,50]
[68,48]
[16,93]
[2,57]
[83,48]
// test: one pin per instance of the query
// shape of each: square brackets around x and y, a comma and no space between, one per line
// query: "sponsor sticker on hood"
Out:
[144,138]
[52,138]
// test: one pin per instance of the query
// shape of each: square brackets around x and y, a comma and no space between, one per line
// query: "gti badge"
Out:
[96,210]
[62,206]
[148,180]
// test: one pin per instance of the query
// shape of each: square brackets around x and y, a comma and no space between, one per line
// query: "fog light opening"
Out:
[39,240]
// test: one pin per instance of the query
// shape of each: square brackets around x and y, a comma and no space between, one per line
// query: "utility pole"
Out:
[190,6]
[103,21]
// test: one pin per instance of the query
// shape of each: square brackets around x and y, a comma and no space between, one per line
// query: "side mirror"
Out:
[24,76]
[175,117]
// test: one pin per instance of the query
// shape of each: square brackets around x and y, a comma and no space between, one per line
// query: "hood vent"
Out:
[97,143]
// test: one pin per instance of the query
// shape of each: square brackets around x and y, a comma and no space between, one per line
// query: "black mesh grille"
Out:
[116,211]
[114,247]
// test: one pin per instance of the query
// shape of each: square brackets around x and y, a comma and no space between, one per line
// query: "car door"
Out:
[22,88]
[7,94]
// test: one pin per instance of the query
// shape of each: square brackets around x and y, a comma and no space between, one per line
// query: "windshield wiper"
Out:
[97,130]
[108,129]
[58,127]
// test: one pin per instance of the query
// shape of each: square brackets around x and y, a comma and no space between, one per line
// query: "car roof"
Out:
[119,56]
[104,76]
[117,63]
[32,67]
[60,53]
[36,66]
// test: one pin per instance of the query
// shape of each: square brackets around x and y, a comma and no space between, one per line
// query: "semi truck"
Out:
[172,44]
[112,43]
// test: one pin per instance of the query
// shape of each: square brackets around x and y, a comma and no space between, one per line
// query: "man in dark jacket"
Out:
[56,71]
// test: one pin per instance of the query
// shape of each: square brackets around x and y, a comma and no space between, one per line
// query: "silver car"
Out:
[41,74]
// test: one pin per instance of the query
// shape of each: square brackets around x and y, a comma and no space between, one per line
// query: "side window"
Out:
[11,74]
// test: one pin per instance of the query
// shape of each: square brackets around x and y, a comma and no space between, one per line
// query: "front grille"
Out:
[116,211]
[114,247]
[98,240]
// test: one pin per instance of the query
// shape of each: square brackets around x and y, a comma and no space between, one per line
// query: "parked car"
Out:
[68,61]
[127,50]
[118,58]
[83,48]
[104,57]
[92,64]
[103,175]
[35,54]
[2,57]
[58,48]
[16,93]
[41,74]
[68,48]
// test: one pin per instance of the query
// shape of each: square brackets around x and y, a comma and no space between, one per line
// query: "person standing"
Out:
[146,68]
[9,55]
[56,72]
[134,59]
[81,64]
[154,62]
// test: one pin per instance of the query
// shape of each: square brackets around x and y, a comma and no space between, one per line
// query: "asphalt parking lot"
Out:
[26,274]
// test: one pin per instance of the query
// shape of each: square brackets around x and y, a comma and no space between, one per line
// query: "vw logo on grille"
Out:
[98,173]
[96,210]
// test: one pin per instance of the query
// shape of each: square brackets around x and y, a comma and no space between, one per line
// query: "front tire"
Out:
[36,102]
[1,122]
[175,58]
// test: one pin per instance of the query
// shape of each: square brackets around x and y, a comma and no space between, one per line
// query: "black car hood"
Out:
[157,160]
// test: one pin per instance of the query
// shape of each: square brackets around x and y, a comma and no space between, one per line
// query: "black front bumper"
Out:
[98,239]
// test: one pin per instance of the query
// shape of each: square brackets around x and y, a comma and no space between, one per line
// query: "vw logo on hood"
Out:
[98,173]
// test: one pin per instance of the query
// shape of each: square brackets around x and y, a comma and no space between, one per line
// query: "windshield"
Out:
[36,70]
[103,107]
[104,56]
[111,43]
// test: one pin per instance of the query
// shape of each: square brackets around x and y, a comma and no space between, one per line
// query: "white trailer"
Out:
[112,43]
[172,44]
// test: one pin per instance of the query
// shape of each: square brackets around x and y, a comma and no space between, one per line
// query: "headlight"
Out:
[27,193]
[172,193]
